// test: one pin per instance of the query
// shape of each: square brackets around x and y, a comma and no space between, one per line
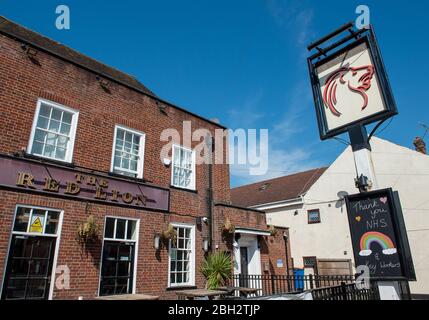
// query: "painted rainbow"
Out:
[381,239]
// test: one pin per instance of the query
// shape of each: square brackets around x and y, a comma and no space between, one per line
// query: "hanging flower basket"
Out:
[89,231]
[228,226]
[273,230]
[170,233]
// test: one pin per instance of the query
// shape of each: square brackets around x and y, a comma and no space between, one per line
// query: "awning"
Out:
[256,232]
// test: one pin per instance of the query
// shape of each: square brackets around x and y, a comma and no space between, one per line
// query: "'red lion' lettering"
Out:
[25,180]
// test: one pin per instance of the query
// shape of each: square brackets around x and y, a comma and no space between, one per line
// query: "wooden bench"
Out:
[199,293]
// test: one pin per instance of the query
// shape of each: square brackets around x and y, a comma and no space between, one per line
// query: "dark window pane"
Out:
[131,230]
[52,222]
[20,267]
[41,248]
[109,268]
[125,253]
[16,289]
[39,268]
[107,287]
[21,220]
[110,252]
[22,248]
[110,225]
[120,229]
[123,269]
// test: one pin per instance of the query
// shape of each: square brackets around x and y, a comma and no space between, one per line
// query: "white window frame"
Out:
[136,248]
[57,243]
[192,184]
[71,142]
[140,163]
[191,281]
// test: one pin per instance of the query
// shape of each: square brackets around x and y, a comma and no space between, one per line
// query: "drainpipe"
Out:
[210,145]
[286,238]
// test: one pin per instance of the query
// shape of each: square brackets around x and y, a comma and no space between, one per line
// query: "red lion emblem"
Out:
[364,83]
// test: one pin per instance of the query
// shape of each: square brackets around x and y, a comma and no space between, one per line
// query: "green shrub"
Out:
[216,268]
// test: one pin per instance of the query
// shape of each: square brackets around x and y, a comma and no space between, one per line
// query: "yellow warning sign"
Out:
[36,226]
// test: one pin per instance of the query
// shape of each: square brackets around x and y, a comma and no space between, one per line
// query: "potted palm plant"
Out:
[216,268]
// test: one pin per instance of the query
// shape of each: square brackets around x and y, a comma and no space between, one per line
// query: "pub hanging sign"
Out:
[32,176]
[350,85]
[378,235]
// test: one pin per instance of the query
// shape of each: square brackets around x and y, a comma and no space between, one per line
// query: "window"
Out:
[182,256]
[119,249]
[128,152]
[53,131]
[34,220]
[183,168]
[120,229]
[31,254]
[310,262]
[313,216]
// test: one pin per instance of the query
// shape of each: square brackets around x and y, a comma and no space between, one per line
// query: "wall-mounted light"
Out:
[206,245]
[166,162]
[157,241]
[285,236]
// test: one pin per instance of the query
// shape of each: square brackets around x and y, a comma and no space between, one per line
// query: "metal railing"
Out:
[346,292]
[282,284]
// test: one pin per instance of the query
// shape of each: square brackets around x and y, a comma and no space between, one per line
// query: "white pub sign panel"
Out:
[350,86]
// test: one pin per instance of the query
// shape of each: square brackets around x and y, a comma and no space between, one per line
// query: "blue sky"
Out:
[244,62]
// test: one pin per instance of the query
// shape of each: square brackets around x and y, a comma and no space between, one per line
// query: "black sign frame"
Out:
[363,36]
[399,231]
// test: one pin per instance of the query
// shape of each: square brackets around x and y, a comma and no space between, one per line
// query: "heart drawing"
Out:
[358,218]
[384,200]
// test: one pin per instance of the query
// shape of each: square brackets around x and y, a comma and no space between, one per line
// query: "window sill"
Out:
[183,189]
[117,175]
[178,288]
[48,160]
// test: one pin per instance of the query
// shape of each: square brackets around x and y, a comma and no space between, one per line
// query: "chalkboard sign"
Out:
[379,236]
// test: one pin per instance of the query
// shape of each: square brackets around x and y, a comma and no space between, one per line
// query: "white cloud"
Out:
[294,17]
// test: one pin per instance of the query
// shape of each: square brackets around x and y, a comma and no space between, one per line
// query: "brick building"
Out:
[84,191]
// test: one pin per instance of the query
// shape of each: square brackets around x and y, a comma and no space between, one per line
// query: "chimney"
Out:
[420,145]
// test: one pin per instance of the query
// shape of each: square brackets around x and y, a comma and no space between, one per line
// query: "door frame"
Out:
[251,242]
[56,250]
